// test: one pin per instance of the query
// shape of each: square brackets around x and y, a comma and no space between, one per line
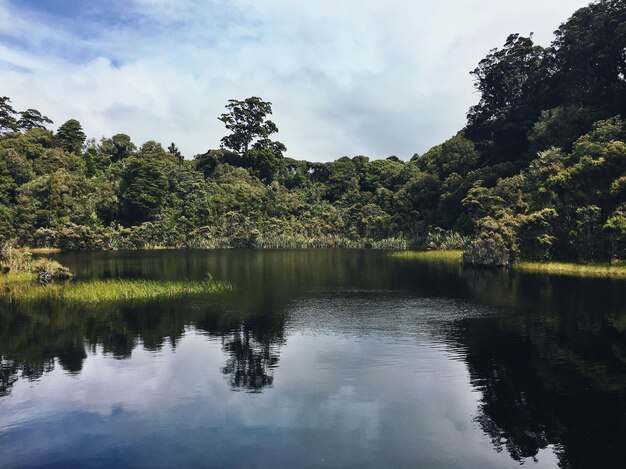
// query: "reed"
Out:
[330,241]
[17,278]
[573,269]
[451,256]
[100,291]
[613,270]
[291,241]
[39,250]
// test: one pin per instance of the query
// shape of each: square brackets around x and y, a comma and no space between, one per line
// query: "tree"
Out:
[264,164]
[175,152]
[143,188]
[536,234]
[615,227]
[8,122]
[591,57]
[117,147]
[586,233]
[343,179]
[511,82]
[71,136]
[32,119]
[456,155]
[382,173]
[15,170]
[249,126]
[207,162]
[152,149]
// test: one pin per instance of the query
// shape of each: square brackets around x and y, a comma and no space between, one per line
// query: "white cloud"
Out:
[352,77]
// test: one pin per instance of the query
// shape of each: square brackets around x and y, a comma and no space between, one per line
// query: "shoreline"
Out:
[560,268]
[572,269]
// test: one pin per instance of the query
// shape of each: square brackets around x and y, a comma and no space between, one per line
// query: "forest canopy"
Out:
[538,172]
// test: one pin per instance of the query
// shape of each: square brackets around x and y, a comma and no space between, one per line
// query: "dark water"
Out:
[318,358]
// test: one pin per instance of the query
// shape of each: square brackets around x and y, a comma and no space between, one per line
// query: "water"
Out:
[318,358]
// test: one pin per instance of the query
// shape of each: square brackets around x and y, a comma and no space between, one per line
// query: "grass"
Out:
[453,256]
[17,278]
[572,269]
[100,291]
[39,250]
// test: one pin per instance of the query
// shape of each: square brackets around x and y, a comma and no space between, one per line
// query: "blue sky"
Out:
[346,77]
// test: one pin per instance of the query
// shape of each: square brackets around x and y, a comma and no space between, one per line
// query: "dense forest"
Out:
[538,172]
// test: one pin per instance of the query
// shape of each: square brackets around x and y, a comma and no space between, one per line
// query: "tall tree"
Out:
[8,122]
[143,188]
[175,152]
[71,136]
[511,82]
[591,57]
[118,147]
[249,126]
[32,119]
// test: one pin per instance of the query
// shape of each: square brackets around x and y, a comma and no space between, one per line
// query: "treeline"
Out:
[538,172]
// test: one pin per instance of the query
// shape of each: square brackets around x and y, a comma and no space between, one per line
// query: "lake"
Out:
[349,358]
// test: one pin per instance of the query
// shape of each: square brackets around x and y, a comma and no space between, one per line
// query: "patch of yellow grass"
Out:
[17,277]
[572,269]
[39,250]
[617,270]
[433,256]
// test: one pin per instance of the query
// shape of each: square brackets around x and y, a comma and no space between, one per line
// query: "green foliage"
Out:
[175,152]
[615,228]
[536,234]
[496,243]
[247,121]
[8,122]
[117,147]
[102,291]
[342,179]
[511,82]
[560,127]
[71,136]
[20,266]
[590,58]
[13,121]
[143,187]
[32,119]
[442,240]
[457,155]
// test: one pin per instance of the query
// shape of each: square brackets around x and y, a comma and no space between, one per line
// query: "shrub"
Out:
[442,240]
[488,250]
[49,271]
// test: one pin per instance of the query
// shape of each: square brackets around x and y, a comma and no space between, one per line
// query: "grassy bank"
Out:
[550,268]
[39,250]
[453,256]
[21,288]
[17,278]
[573,269]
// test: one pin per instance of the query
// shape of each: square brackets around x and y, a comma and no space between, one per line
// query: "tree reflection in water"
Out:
[11,371]
[33,339]
[251,359]
[551,368]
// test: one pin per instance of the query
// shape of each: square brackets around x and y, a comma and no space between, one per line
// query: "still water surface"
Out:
[318,358]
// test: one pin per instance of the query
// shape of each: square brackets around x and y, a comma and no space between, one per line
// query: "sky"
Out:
[346,77]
